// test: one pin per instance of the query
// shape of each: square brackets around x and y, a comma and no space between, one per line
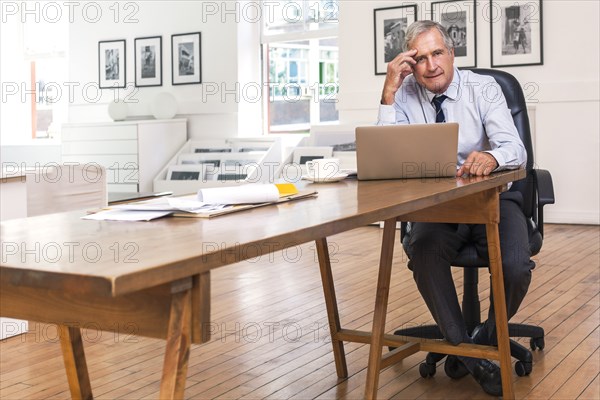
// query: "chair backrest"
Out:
[518,108]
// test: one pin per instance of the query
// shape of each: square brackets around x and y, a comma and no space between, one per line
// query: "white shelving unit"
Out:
[225,162]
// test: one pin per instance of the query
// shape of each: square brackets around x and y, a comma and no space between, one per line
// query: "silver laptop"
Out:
[406,151]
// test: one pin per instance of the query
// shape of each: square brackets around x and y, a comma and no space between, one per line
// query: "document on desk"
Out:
[155,208]
[232,199]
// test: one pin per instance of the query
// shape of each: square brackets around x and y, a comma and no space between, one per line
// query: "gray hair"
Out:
[419,27]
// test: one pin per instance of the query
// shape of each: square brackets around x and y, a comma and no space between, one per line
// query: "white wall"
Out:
[566,104]
[211,107]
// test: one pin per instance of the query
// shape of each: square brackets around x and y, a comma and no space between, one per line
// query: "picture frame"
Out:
[198,158]
[390,25]
[231,177]
[187,172]
[186,58]
[254,150]
[148,61]
[232,172]
[203,149]
[459,19]
[239,162]
[112,65]
[250,146]
[516,33]
[304,154]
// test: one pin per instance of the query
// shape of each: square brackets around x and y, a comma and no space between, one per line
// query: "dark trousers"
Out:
[432,247]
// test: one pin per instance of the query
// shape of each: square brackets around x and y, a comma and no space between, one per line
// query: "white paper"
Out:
[126,215]
[244,194]
[174,204]
[192,205]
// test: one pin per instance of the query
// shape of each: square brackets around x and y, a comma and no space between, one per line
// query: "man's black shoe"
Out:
[455,368]
[487,374]
[481,335]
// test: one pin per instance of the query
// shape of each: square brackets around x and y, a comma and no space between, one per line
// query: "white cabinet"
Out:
[133,152]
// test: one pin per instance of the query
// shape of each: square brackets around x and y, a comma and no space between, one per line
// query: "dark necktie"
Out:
[439,113]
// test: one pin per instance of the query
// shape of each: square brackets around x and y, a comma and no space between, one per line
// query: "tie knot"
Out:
[439,99]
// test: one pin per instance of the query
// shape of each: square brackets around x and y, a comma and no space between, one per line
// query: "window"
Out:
[34,67]
[300,65]
[45,47]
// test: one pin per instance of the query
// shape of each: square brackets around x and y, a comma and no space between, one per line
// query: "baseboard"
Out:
[572,217]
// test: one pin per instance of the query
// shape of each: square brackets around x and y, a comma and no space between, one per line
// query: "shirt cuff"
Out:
[387,114]
[499,159]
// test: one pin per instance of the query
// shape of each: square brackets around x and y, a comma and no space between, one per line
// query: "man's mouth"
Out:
[433,76]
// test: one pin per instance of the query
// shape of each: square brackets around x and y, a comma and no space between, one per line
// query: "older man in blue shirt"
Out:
[423,86]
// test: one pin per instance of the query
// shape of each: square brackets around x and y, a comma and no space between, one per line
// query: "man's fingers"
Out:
[478,164]
[406,57]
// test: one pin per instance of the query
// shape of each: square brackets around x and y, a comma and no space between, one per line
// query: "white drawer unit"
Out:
[132,152]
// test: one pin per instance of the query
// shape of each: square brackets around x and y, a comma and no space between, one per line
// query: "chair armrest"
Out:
[544,187]
[545,194]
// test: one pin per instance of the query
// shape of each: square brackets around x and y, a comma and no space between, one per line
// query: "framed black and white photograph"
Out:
[111,64]
[188,172]
[186,54]
[516,33]
[459,19]
[148,61]
[390,29]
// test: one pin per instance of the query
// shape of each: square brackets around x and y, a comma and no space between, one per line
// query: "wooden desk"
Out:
[153,278]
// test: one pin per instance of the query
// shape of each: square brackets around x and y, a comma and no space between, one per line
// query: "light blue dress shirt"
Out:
[477,103]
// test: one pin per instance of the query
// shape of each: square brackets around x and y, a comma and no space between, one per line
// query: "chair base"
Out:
[523,355]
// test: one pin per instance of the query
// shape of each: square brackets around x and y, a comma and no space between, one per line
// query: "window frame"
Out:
[312,30]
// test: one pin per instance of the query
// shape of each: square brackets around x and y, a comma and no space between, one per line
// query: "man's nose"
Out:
[431,64]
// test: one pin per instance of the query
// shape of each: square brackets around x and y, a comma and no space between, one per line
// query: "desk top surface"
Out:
[110,258]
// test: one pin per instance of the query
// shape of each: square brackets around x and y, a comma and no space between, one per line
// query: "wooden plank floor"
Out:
[270,335]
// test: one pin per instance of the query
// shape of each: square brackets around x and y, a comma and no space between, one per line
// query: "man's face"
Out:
[435,63]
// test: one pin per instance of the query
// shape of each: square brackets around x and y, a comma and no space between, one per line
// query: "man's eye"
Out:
[420,61]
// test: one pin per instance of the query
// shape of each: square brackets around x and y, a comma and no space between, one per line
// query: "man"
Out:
[422,86]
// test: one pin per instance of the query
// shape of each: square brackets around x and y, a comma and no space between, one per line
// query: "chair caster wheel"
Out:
[523,368]
[537,343]
[426,370]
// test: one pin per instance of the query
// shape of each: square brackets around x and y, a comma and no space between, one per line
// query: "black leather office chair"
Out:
[537,190]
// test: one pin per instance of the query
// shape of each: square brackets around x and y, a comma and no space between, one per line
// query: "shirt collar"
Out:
[451,92]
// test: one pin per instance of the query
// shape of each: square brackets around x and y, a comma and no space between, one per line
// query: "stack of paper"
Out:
[207,203]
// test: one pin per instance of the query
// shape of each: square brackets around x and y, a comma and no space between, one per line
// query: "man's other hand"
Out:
[478,163]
